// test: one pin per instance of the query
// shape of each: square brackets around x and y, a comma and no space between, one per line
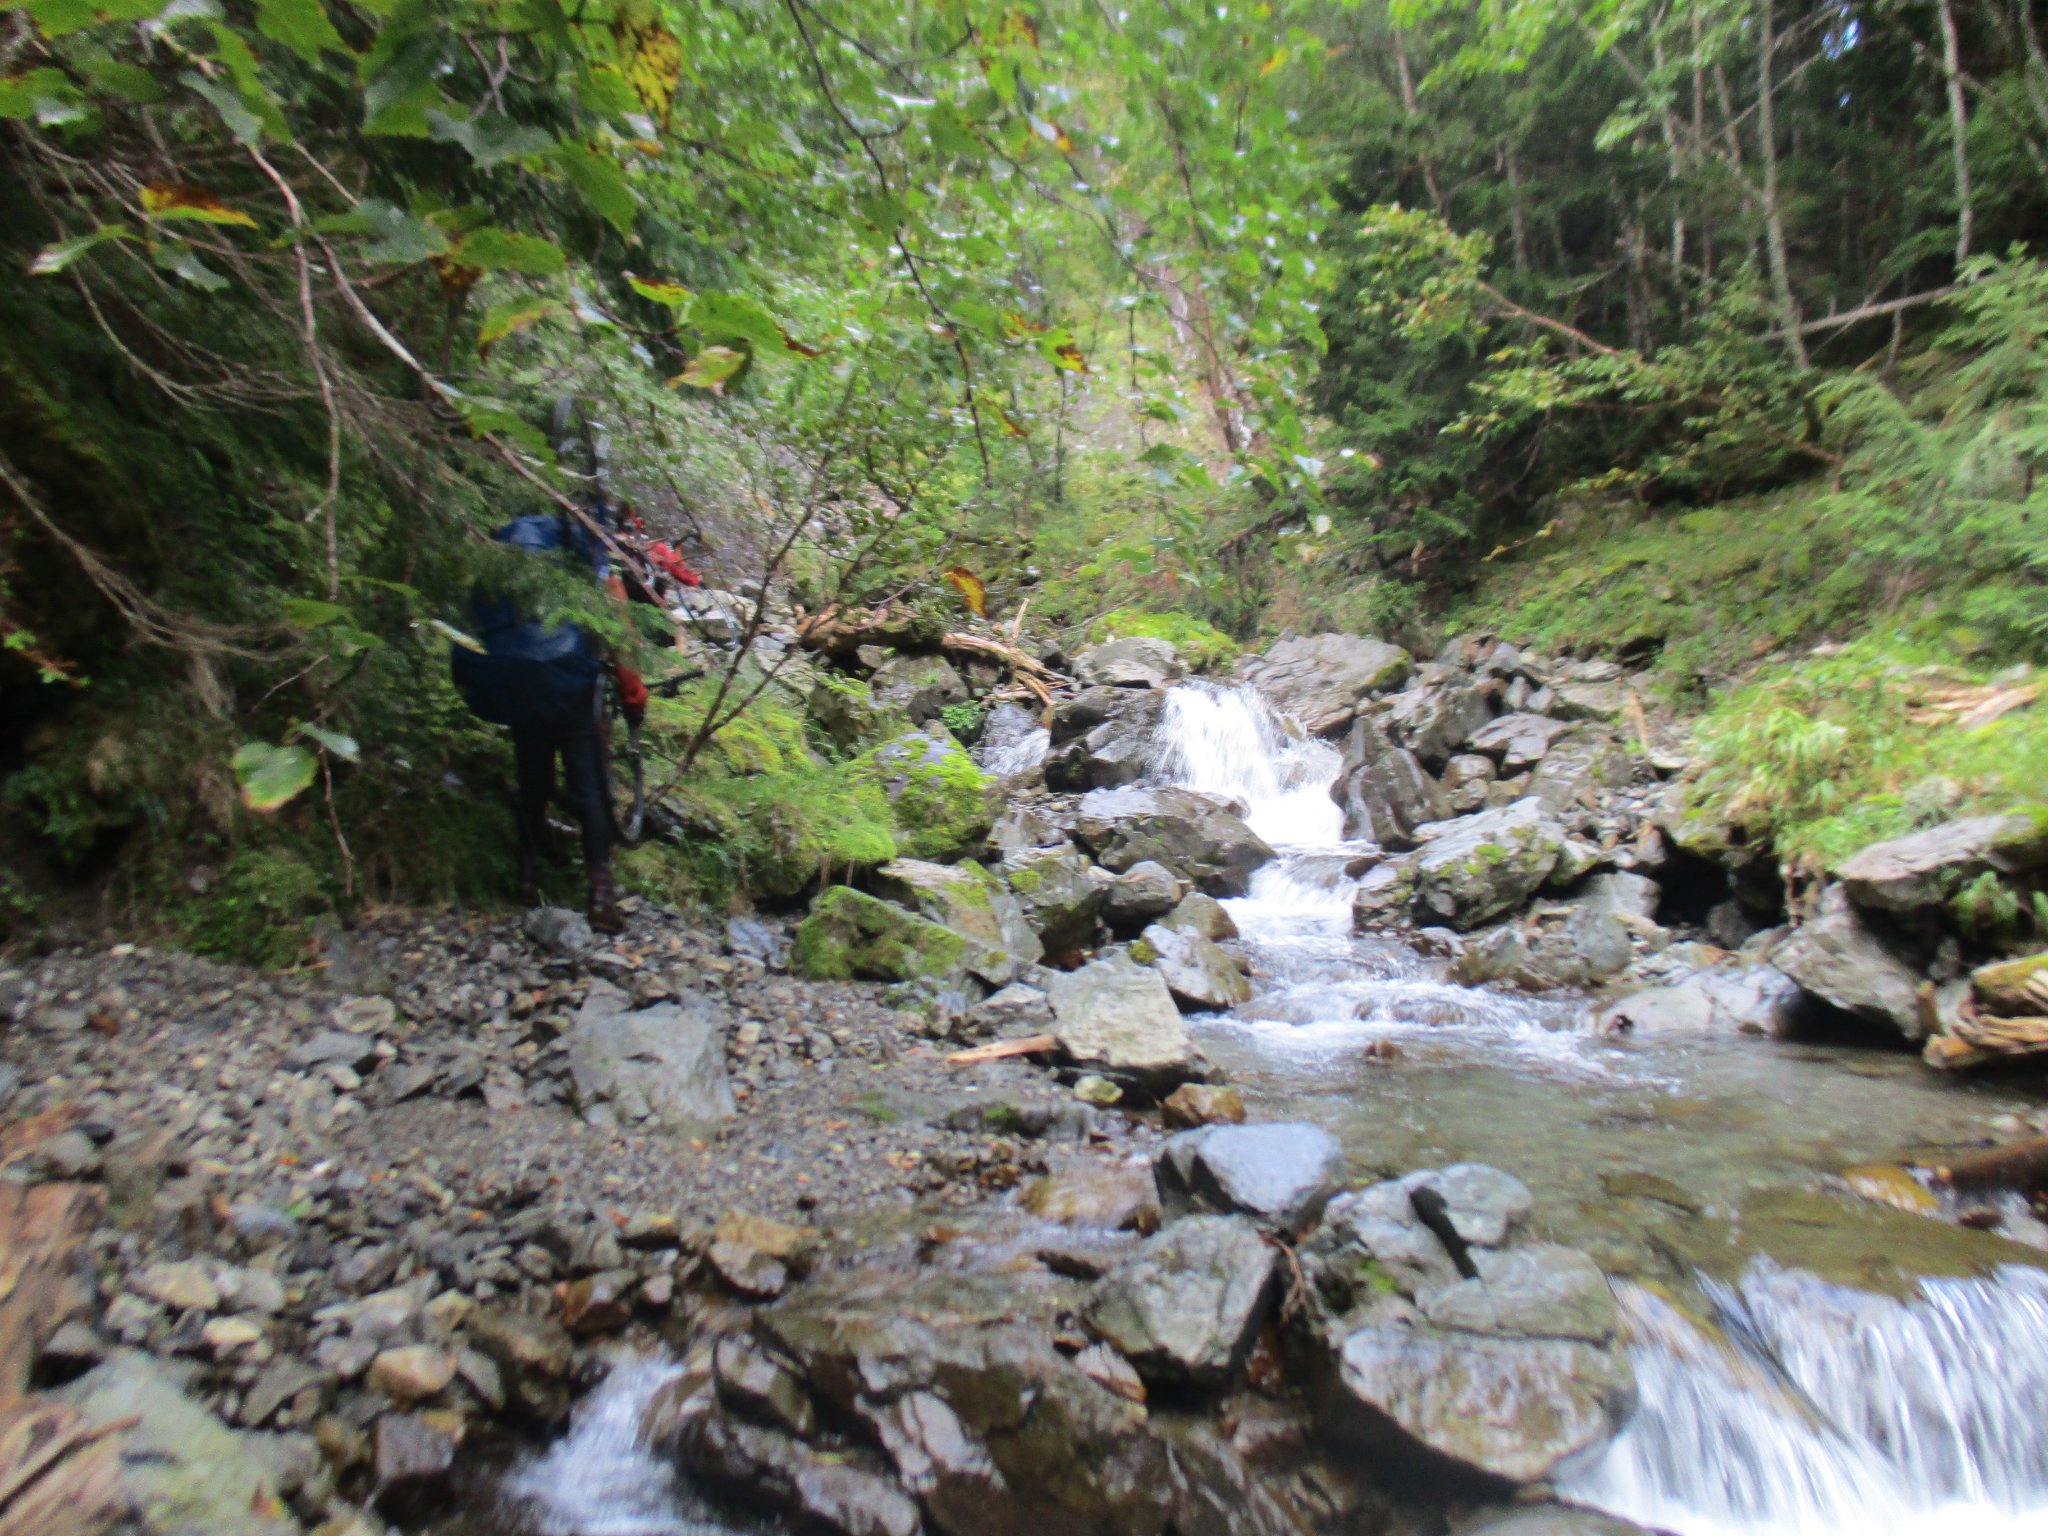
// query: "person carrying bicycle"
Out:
[547,684]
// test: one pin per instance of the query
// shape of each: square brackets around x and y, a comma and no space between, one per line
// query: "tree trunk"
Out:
[1958,130]
[1774,218]
[1412,107]
[1518,219]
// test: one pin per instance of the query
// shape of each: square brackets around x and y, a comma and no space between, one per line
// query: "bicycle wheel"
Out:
[625,780]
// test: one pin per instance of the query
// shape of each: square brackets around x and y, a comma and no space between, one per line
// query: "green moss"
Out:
[766,737]
[938,798]
[1203,646]
[259,912]
[850,933]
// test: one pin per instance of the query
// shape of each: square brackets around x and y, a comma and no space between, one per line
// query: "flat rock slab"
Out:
[1321,680]
[1929,868]
[1118,1016]
[1280,1175]
[662,1066]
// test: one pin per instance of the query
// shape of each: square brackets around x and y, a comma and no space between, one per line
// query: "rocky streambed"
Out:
[1572,1170]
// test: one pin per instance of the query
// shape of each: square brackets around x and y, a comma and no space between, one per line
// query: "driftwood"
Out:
[840,632]
[59,1476]
[2022,1166]
[997,1050]
[1975,1038]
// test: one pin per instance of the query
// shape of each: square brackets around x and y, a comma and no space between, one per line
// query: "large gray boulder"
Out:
[917,687]
[1577,768]
[1145,891]
[1192,834]
[1508,1375]
[1129,661]
[1117,1017]
[1486,865]
[1384,790]
[968,900]
[1838,958]
[1102,738]
[1322,680]
[1735,998]
[1200,973]
[1187,1306]
[661,1067]
[1517,741]
[1928,869]
[1061,896]
[1434,719]
[1279,1175]
[185,1472]
[848,714]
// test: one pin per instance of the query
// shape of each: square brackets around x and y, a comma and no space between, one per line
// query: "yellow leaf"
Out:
[1279,58]
[971,590]
[653,64]
[181,200]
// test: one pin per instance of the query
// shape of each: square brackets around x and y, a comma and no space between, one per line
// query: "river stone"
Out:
[1373,1234]
[1321,680]
[185,1472]
[1140,894]
[1587,699]
[1836,957]
[660,1067]
[1384,895]
[850,933]
[1118,1017]
[1130,661]
[1928,869]
[1626,895]
[184,1285]
[1486,865]
[1193,1105]
[412,1453]
[1012,741]
[1517,741]
[1102,738]
[1187,1306]
[535,1355]
[1062,900]
[917,687]
[1088,1192]
[1538,1291]
[1384,790]
[1579,767]
[973,903]
[1200,913]
[1279,1175]
[1201,976]
[1507,1408]
[1434,720]
[411,1373]
[770,1469]
[755,1385]
[1191,834]
[1738,997]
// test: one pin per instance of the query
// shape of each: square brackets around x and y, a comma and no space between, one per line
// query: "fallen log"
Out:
[840,632]
[2022,1166]
[998,1050]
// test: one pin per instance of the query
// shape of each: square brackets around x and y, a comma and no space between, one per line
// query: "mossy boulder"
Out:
[850,933]
[938,798]
[1061,897]
[1487,865]
[1930,868]
[918,686]
[972,902]
[848,715]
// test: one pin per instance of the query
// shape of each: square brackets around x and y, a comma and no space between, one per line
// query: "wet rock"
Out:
[1061,899]
[1930,868]
[535,1354]
[1375,1232]
[1322,680]
[849,714]
[411,1455]
[917,687]
[1486,865]
[1118,1017]
[1549,1520]
[1025,826]
[755,1385]
[1516,742]
[184,1286]
[1836,957]
[599,1303]
[969,901]
[1279,1175]
[1015,1011]
[1102,738]
[1191,834]
[1087,1192]
[660,1067]
[1384,895]
[183,1470]
[1538,1291]
[1197,912]
[1201,976]
[1129,662]
[1737,997]
[1434,720]
[1141,894]
[771,1470]
[1197,1104]
[1385,792]
[411,1373]
[1186,1307]
[757,1256]
[1464,782]
[1012,741]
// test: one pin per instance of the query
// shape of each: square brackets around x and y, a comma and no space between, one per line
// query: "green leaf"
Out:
[301,25]
[311,613]
[241,122]
[54,18]
[42,94]
[399,89]
[502,250]
[490,137]
[181,200]
[235,54]
[495,419]
[131,82]
[603,185]
[272,776]
[674,295]
[399,239]
[180,260]
[729,317]
[711,368]
[343,747]
[502,320]
[53,259]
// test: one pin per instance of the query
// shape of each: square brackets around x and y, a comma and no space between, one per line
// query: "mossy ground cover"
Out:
[1201,644]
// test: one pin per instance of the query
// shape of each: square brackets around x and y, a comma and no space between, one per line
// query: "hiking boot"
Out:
[604,913]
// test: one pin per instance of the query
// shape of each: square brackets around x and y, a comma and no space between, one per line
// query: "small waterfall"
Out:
[1229,742]
[599,1480]
[1822,1411]
[1012,741]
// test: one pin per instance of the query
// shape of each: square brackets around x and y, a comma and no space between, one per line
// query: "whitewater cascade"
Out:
[1808,1409]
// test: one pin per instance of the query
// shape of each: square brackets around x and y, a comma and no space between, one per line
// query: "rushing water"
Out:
[1804,1408]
